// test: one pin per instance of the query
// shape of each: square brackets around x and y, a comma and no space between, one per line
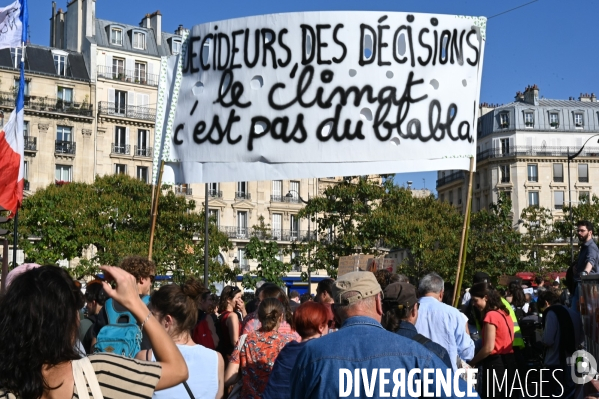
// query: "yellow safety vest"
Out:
[518,340]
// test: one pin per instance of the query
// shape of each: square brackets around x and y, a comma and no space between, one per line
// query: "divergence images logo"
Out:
[583,367]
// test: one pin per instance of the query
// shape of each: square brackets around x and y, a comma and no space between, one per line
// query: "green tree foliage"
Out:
[265,251]
[113,216]
[537,238]
[494,244]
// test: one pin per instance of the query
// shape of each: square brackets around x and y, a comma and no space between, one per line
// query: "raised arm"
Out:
[174,369]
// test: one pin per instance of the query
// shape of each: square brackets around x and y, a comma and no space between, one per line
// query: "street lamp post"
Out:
[571,157]
[289,195]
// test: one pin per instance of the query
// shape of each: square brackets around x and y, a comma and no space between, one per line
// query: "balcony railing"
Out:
[122,149]
[30,143]
[242,195]
[537,152]
[245,233]
[64,147]
[48,104]
[127,75]
[284,198]
[245,267]
[142,151]
[215,193]
[127,111]
[183,190]
[450,178]
[26,186]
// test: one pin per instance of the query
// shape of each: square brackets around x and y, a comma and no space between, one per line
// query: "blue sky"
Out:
[551,43]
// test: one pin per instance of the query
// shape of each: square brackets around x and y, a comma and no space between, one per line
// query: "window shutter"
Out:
[130,98]
[129,67]
[512,145]
[578,143]
[109,62]
[127,136]
[111,98]
[147,143]
[151,79]
[139,99]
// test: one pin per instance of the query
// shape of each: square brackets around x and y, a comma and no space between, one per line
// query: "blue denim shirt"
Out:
[360,343]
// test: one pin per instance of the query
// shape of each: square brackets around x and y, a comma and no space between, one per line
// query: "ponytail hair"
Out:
[178,301]
[269,313]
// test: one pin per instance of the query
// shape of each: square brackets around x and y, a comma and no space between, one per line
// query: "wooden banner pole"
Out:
[463,243]
[157,192]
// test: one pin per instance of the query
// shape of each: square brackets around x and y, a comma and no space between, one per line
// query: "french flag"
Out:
[13,33]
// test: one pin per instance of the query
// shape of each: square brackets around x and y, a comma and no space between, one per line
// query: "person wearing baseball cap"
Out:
[360,343]
[400,307]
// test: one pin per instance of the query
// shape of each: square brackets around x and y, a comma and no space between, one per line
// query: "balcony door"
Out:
[120,102]
[277,225]
[294,227]
[142,143]
[242,224]
[120,140]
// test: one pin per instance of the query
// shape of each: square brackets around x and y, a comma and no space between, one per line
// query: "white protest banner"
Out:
[11,26]
[321,94]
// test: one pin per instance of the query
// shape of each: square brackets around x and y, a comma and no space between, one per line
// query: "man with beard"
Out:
[587,258]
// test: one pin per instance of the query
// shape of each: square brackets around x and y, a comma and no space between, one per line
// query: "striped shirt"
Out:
[119,377]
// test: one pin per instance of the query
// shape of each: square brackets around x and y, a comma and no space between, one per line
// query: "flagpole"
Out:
[14,242]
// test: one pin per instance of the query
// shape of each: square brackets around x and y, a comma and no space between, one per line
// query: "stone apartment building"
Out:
[90,110]
[522,150]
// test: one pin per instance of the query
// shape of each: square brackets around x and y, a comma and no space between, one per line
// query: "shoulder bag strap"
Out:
[421,339]
[188,390]
[84,374]
[506,323]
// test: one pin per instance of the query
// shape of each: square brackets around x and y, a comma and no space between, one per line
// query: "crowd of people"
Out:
[181,341]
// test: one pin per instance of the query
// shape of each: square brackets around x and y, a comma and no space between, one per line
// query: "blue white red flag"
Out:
[12,144]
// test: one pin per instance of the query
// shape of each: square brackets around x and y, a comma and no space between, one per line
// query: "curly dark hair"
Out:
[494,302]
[227,293]
[518,297]
[383,276]
[138,266]
[38,326]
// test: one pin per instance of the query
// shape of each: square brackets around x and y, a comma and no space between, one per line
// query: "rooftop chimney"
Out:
[156,25]
[585,97]
[593,98]
[519,96]
[531,95]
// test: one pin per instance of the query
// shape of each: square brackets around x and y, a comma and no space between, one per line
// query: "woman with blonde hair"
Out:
[174,306]
[256,357]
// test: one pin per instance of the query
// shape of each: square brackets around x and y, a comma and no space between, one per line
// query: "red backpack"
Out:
[202,335]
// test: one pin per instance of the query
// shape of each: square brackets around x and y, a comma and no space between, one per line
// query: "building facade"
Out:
[523,150]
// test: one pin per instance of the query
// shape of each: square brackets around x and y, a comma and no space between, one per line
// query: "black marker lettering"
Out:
[284,47]
[340,43]
[426,46]
[234,49]
[320,44]
[268,46]
[473,47]
[256,48]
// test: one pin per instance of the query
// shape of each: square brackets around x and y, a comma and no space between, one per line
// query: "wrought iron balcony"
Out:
[245,233]
[284,198]
[30,143]
[122,149]
[215,193]
[561,152]
[48,104]
[245,267]
[242,195]
[451,178]
[181,190]
[127,75]
[26,186]
[142,151]
[127,111]
[64,147]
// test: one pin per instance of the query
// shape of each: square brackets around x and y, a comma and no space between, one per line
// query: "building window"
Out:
[15,87]
[533,172]
[120,102]
[65,96]
[60,64]
[118,68]
[505,146]
[583,173]
[450,197]
[504,120]
[558,199]
[16,54]
[213,214]
[277,190]
[442,197]
[584,197]
[558,173]
[140,73]
[243,262]
[142,173]
[142,149]
[176,47]
[478,203]
[294,226]
[294,189]
[505,173]
[63,134]
[277,225]
[554,120]
[120,141]
[578,120]
[242,224]
[477,180]
[533,198]
[242,190]
[529,119]
[25,129]
[120,169]
[116,36]
[139,40]
[459,196]
[63,173]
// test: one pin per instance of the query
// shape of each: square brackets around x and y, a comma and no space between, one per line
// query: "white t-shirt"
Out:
[202,364]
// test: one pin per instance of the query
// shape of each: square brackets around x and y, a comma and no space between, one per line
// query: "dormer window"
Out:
[139,40]
[16,54]
[116,36]
[578,120]
[504,120]
[176,46]
[529,119]
[554,120]
[61,62]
